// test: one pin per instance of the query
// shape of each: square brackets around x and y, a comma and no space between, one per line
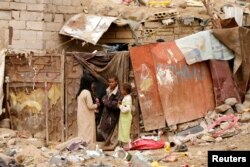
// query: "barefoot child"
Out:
[125,114]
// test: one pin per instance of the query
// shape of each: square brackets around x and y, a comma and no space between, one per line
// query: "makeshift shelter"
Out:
[56,76]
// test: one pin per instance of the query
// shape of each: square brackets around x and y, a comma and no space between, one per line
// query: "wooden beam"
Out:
[62,95]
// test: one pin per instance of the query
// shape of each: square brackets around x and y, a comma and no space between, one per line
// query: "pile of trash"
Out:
[18,148]
[224,121]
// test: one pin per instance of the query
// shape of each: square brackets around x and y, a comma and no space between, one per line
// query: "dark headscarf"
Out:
[85,83]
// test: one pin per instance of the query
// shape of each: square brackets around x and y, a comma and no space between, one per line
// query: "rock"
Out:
[230,132]
[245,117]
[223,125]
[207,138]
[229,111]
[222,108]
[11,142]
[187,125]
[240,108]
[231,147]
[218,139]
[11,152]
[247,97]
[231,101]
[247,103]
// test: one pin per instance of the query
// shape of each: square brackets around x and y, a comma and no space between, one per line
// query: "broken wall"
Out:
[35,94]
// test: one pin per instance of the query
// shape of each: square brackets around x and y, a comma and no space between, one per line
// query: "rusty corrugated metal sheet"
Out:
[150,104]
[185,91]
[89,28]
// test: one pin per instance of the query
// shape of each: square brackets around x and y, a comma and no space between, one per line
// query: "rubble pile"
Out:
[224,121]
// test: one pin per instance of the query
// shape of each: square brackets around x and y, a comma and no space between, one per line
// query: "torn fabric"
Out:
[238,39]
[203,46]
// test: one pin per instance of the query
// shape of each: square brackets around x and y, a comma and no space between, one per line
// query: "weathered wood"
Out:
[62,93]
[46,109]
[8,105]
[73,73]
[32,73]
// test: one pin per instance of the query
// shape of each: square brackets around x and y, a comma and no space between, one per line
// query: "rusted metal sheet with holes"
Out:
[146,83]
[35,94]
[185,91]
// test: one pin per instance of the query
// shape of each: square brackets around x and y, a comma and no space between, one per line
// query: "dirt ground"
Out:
[32,152]
[197,154]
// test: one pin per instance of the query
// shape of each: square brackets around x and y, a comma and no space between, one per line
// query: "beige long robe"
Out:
[86,118]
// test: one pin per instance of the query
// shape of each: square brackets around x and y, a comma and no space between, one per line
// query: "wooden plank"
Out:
[8,105]
[46,114]
[62,94]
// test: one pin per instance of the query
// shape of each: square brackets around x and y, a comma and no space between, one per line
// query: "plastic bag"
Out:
[146,144]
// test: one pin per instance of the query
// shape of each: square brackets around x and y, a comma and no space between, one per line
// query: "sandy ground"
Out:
[31,152]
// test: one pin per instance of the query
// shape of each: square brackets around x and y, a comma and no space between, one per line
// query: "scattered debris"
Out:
[245,117]
[222,108]
[231,101]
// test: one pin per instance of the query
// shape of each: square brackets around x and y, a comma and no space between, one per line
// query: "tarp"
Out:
[179,86]
[117,64]
[2,67]
[238,39]
[203,46]
[89,28]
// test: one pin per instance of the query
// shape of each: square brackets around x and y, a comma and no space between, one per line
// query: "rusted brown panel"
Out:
[21,68]
[33,75]
[223,83]
[56,118]
[181,86]
[144,71]
[26,110]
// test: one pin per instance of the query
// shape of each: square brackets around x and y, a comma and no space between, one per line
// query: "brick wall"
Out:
[149,32]
[22,22]
[35,23]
